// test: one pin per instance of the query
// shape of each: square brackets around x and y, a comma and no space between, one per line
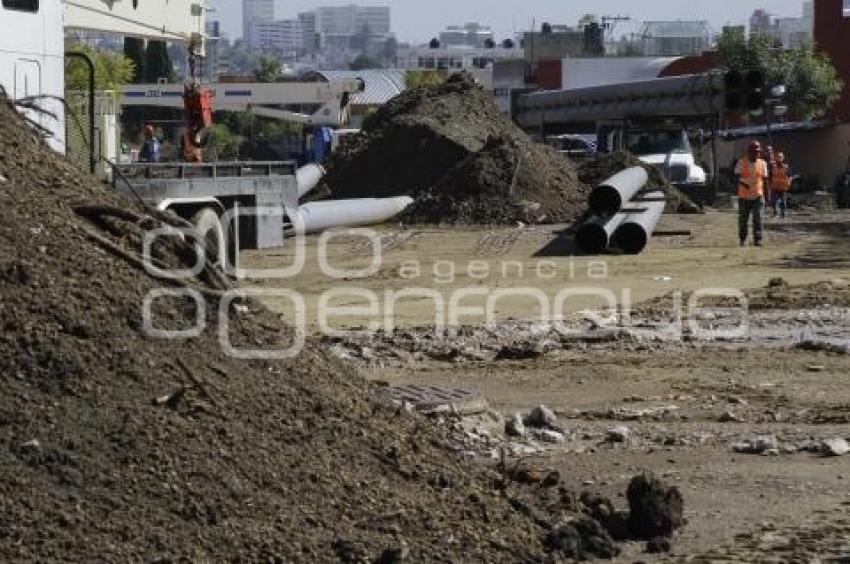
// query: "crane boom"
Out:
[167,20]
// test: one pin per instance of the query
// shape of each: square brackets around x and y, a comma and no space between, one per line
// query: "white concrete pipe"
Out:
[308,177]
[633,234]
[611,195]
[316,217]
[594,236]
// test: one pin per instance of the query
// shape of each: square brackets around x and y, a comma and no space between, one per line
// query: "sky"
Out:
[417,21]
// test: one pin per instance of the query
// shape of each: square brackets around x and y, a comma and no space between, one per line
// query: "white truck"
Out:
[664,144]
[647,118]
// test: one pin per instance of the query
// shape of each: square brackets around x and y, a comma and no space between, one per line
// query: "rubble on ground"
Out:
[126,447]
[461,158]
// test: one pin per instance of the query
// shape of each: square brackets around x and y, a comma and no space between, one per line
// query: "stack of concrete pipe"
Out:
[316,217]
[624,216]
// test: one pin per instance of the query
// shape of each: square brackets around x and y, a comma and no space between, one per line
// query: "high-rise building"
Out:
[253,12]
[352,19]
[791,32]
[308,26]
[285,35]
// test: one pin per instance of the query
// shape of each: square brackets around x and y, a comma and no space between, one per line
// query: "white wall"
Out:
[32,62]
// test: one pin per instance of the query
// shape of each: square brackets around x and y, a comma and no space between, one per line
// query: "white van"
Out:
[32,61]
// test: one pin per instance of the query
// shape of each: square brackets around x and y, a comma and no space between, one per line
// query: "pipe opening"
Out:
[605,200]
[631,238]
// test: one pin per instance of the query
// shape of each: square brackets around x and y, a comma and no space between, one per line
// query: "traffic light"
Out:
[744,92]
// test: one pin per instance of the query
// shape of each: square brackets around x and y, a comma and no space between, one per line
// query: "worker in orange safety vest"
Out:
[780,182]
[752,174]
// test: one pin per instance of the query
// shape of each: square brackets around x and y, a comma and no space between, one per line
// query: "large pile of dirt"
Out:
[123,447]
[462,159]
[605,166]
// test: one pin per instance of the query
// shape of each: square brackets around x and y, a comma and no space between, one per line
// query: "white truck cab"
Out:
[32,61]
[665,146]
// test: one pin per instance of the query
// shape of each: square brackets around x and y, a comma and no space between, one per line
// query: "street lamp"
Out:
[774,107]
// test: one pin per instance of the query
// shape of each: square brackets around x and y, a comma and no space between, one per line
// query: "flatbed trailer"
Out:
[248,201]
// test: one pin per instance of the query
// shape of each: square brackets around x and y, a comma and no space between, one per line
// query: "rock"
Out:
[581,540]
[394,555]
[816,368]
[658,545]
[550,436]
[835,447]
[757,445]
[619,434]
[654,509]
[3,179]
[541,417]
[514,427]
[551,480]
[32,445]
[730,417]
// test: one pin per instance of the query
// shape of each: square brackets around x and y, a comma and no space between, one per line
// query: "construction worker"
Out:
[780,183]
[151,147]
[752,175]
[769,156]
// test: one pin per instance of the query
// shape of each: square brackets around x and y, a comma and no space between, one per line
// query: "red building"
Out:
[832,36]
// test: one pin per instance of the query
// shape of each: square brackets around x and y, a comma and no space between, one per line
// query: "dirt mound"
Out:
[125,447]
[605,166]
[462,159]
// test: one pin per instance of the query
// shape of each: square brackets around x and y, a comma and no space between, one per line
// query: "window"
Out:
[847,8]
[22,5]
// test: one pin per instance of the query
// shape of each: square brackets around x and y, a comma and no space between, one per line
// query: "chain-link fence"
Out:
[106,131]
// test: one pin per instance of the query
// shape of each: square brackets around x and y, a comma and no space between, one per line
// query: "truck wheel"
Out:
[207,223]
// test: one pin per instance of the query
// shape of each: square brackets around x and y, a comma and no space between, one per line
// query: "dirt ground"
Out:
[685,402]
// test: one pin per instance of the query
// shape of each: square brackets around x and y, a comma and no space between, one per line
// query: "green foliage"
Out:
[242,61]
[111,70]
[268,69]
[158,63]
[224,144]
[363,61]
[417,78]
[134,49]
[812,83]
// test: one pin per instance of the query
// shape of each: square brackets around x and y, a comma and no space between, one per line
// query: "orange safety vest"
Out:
[755,177]
[781,179]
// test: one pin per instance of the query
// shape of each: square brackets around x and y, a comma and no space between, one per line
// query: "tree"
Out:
[811,81]
[586,20]
[360,40]
[158,63]
[268,69]
[242,61]
[390,51]
[363,61]
[111,70]
[224,144]
[134,49]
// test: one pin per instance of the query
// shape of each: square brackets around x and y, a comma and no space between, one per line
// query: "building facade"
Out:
[255,12]
[832,28]
[467,35]
[352,19]
[282,35]
[790,32]
[425,57]
[675,38]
